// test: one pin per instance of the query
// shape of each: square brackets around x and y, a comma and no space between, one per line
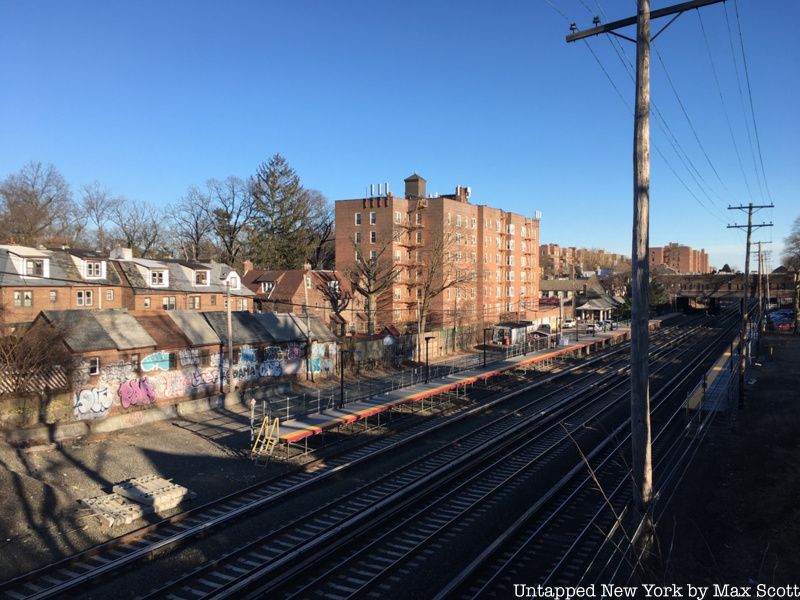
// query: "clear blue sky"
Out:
[149,98]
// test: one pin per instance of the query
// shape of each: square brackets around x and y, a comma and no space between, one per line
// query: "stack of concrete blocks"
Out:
[153,491]
[136,498]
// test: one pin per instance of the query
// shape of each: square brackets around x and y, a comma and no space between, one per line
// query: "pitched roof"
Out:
[88,330]
[194,327]
[281,326]
[319,332]
[245,328]
[164,331]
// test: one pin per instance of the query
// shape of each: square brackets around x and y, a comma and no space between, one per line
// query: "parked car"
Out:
[785,326]
[568,324]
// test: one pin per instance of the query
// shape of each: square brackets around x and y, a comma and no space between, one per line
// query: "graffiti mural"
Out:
[136,391]
[247,355]
[270,368]
[156,360]
[92,404]
[189,357]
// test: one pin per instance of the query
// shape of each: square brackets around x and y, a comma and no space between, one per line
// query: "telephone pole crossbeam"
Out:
[743,348]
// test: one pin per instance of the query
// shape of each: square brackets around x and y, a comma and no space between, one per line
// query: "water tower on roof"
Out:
[415,186]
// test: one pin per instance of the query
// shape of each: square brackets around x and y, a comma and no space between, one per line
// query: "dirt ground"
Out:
[737,516]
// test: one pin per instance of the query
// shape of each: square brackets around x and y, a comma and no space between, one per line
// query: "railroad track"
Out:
[426,519]
[103,561]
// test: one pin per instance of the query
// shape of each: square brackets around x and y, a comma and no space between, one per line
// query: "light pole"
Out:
[342,352]
[229,395]
[428,338]
[485,329]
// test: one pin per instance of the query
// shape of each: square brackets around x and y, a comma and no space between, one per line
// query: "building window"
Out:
[373,254]
[213,300]
[358,237]
[419,237]
[511,229]
[157,278]
[93,269]
[84,298]
[241,303]
[109,295]
[449,219]
[168,302]
[398,218]
[373,237]
[34,267]
[358,218]
[473,223]
[53,296]
[201,277]
[373,218]
[23,298]
[147,302]
[458,220]
[418,220]
[194,302]
[94,365]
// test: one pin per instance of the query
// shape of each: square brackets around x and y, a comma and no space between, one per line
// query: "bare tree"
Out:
[97,205]
[320,223]
[791,260]
[336,293]
[231,210]
[32,360]
[372,277]
[439,268]
[36,206]
[137,226]
[191,223]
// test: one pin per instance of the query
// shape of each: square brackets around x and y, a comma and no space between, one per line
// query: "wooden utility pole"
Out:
[641,451]
[746,288]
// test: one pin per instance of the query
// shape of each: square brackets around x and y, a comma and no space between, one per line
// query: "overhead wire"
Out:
[741,102]
[724,105]
[750,96]
[664,126]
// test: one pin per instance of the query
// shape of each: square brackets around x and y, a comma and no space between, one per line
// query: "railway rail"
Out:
[373,498]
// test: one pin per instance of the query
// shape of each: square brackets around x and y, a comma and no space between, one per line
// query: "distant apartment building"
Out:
[494,253]
[561,261]
[681,259]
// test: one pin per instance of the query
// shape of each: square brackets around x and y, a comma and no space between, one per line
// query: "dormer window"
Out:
[267,286]
[158,278]
[94,269]
[234,282]
[34,267]
[201,277]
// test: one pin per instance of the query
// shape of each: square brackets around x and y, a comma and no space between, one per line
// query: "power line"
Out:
[750,96]
[724,106]
[741,102]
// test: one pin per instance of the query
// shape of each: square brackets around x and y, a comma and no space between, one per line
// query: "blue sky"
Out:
[149,98]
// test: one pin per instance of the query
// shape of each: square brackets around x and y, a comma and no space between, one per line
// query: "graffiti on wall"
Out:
[92,403]
[189,357]
[135,392]
[157,360]
[119,383]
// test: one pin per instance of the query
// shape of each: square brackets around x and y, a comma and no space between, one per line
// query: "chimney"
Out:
[415,186]
[248,265]
[119,253]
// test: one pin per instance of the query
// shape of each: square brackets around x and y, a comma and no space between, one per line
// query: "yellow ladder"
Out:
[266,440]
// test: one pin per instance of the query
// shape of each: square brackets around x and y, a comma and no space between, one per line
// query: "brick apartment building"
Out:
[556,260]
[493,253]
[681,259]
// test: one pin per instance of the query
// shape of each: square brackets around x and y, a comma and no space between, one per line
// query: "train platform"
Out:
[298,429]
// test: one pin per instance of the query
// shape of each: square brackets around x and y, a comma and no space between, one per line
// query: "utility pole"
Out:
[746,287]
[641,451]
